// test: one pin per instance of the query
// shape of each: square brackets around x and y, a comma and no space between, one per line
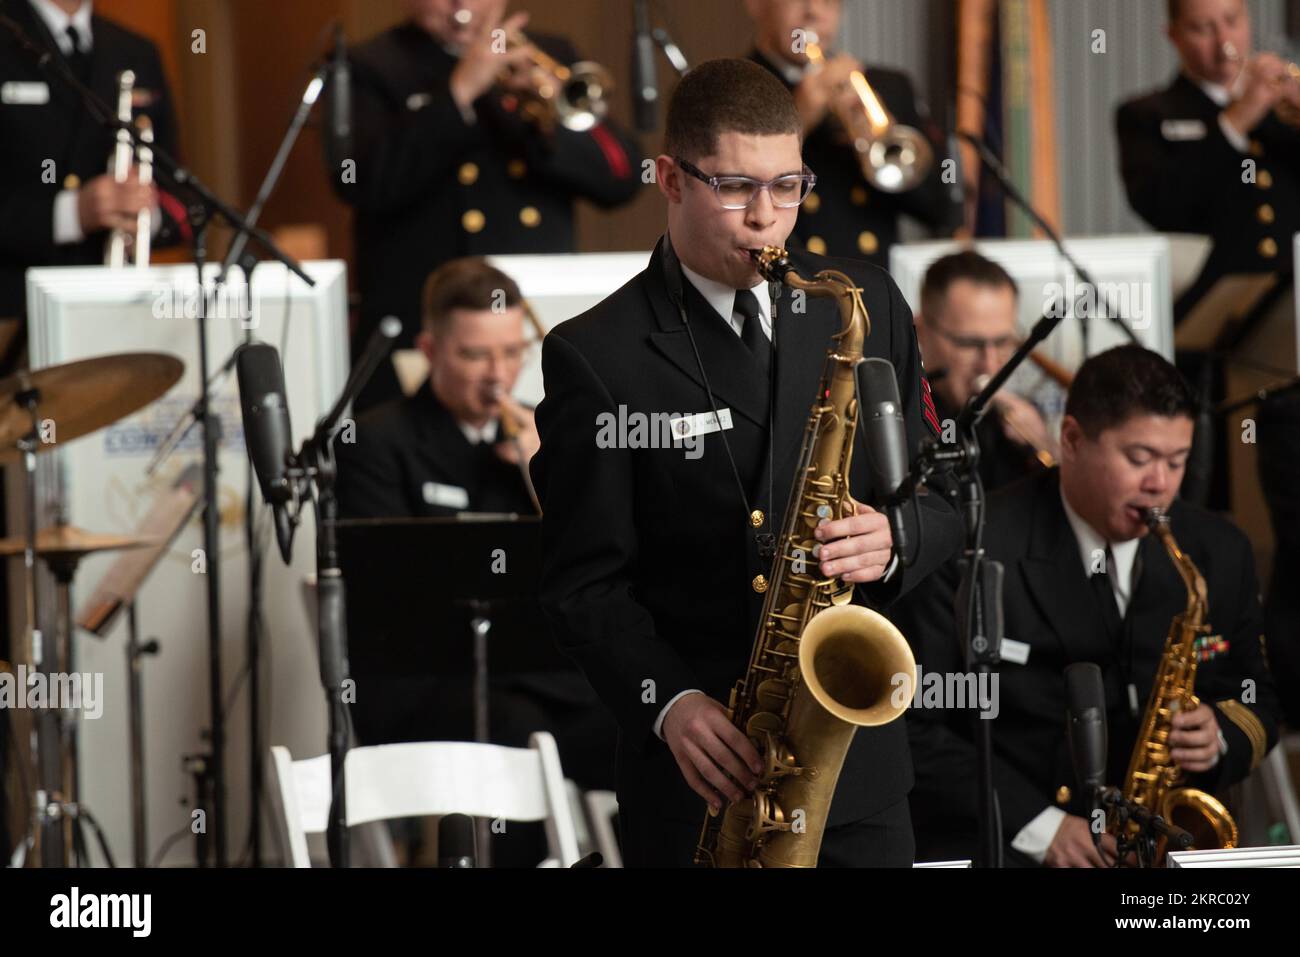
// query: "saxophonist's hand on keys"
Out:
[711,751]
[1194,740]
[855,549]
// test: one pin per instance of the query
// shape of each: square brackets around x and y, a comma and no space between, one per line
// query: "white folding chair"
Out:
[601,808]
[424,779]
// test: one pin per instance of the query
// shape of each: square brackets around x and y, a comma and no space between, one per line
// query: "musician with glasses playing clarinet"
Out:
[656,539]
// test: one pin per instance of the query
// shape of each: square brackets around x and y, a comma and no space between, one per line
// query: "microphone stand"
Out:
[979,595]
[1013,193]
[204,205]
[311,474]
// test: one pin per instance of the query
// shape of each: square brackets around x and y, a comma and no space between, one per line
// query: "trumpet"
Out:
[119,165]
[894,158]
[1286,112]
[576,96]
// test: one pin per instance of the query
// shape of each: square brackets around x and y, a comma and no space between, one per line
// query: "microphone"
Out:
[340,96]
[645,79]
[456,841]
[267,433]
[1085,725]
[881,412]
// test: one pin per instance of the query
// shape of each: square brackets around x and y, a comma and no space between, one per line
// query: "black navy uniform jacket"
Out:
[648,557]
[430,187]
[411,460]
[61,130]
[1183,175]
[1048,604]
[844,215]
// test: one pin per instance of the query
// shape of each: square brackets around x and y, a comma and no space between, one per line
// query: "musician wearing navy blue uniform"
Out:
[1209,153]
[446,165]
[652,565]
[1085,581]
[845,215]
[57,200]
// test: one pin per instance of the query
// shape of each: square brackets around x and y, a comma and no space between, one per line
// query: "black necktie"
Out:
[78,59]
[751,330]
[1104,591]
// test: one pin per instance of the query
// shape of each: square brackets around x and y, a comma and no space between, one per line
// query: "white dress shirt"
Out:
[475,434]
[1223,97]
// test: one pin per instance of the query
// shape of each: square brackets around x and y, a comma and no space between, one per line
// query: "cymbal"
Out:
[84,396]
[68,541]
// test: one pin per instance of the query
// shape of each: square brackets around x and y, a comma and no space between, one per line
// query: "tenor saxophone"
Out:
[1153,779]
[820,667]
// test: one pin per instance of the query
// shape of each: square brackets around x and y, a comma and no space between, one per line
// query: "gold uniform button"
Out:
[1062,795]
[1266,214]
[1256,148]
[529,216]
[858,196]
[72,181]
[473,220]
[1268,247]
[516,169]
[760,583]
[467,174]
[816,245]
[1264,179]
[756,517]
[868,244]
[812,202]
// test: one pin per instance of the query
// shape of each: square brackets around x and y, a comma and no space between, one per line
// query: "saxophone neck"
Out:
[1197,594]
[774,265]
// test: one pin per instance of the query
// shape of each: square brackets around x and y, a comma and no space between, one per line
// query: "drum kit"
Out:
[40,410]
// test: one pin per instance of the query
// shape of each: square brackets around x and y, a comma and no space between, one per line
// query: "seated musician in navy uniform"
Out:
[1086,581]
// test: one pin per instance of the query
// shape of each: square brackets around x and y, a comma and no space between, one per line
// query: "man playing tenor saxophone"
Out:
[657,548]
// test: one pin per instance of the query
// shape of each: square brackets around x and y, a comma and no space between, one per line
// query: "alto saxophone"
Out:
[1153,778]
[820,667]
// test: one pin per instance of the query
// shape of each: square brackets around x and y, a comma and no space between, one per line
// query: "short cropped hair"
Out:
[1115,385]
[468,283]
[968,265]
[726,96]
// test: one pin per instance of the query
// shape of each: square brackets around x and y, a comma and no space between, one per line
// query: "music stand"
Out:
[481,562]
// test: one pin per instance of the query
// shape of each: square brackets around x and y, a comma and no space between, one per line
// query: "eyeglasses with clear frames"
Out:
[738,192]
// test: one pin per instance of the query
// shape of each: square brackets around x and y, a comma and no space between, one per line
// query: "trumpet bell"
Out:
[584,99]
[897,161]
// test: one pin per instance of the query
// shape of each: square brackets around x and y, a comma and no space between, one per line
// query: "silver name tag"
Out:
[448,496]
[1016,652]
[1181,131]
[25,94]
[701,424]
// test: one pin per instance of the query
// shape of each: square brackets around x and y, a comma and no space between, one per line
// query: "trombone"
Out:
[894,158]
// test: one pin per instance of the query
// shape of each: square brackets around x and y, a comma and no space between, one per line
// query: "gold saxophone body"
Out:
[820,667]
[1153,779]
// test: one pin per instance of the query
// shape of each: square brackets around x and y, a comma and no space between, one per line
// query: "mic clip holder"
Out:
[1151,829]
